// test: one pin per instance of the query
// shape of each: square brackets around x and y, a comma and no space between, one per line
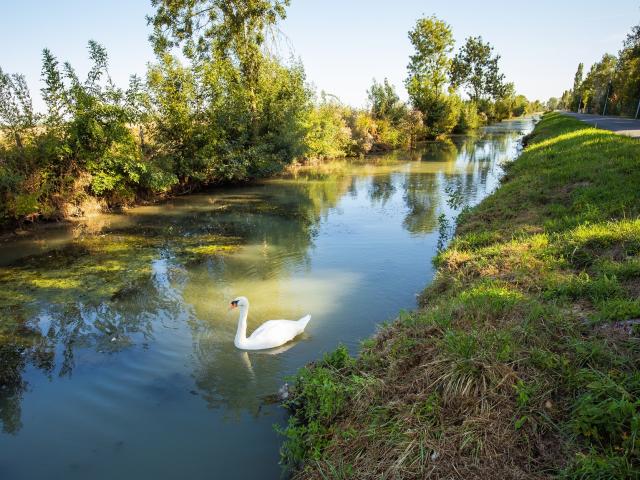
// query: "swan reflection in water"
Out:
[246,358]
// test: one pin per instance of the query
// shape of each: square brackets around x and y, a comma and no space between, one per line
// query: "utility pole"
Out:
[606,99]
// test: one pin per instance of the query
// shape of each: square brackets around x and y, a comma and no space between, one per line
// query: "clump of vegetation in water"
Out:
[91,270]
[96,268]
[203,246]
[522,360]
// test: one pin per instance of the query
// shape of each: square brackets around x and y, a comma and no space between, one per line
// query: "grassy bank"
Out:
[522,360]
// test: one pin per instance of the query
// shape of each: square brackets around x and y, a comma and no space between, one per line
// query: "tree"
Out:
[177,116]
[595,85]
[565,100]
[138,103]
[248,105]
[328,135]
[385,103]
[53,93]
[428,69]
[476,68]
[233,30]
[87,127]
[626,81]
[553,103]
[505,106]
[433,42]
[632,42]
[17,117]
[577,82]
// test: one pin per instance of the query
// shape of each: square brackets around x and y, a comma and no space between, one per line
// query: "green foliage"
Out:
[432,40]
[476,68]
[321,391]
[231,113]
[334,130]
[468,118]
[441,112]
[612,80]
[428,69]
[552,104]
[608,413]
[576,100]
[85,141]
[599,467]
[328,135]
[507,105]
[216,27]
[17,117]
[385,103]
[594,88]
[235,112]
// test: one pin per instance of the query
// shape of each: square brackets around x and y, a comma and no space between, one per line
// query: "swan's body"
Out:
[270,334]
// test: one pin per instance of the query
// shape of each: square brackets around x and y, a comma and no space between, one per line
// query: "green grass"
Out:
[522,361]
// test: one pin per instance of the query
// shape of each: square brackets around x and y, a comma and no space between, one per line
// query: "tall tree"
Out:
[595,86]
[225,30]
[632,42]
[627,82]
[428,68]
[577,78]
[566,99]
[16,109]
[476,68]
[433,42]
[53,92]
[577,83]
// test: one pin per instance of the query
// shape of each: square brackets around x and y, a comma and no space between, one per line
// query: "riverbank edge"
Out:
[521,361]
[94,205]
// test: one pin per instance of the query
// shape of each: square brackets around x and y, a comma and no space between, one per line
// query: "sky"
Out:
[344,44]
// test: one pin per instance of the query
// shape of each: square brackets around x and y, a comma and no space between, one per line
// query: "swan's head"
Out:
[239,302]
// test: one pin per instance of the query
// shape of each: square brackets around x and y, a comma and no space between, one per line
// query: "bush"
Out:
[320,395]
[468,119]
[328,135]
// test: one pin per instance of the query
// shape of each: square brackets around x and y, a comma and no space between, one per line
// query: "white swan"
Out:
[270,334]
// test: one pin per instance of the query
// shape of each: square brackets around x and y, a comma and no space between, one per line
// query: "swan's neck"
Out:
[241,333]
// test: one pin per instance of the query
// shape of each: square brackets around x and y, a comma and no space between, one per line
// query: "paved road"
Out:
[623,126]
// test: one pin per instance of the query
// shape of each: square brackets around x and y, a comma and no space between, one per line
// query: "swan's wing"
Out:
[273,327]
[273,334]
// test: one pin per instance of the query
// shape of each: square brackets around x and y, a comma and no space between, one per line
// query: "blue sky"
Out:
[343,44]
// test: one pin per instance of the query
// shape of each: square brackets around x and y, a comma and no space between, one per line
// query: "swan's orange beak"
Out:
[232,306]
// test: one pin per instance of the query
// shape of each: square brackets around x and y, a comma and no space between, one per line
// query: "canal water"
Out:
[116,344]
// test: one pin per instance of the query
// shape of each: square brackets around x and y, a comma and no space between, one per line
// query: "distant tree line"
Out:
[614,81]
[219,106]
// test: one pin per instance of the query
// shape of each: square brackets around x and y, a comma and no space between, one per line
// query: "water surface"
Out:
[116,347]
